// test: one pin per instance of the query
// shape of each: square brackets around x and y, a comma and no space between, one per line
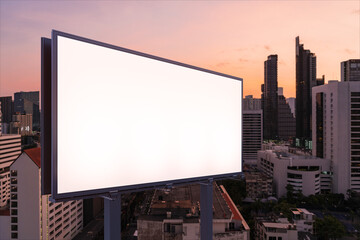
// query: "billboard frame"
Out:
[119,189]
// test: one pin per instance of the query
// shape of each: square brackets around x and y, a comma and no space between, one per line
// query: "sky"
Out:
[232,37]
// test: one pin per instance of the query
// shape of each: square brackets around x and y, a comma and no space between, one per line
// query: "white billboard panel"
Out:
[125,119]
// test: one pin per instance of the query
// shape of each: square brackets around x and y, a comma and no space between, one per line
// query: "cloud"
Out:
[357,11]
[222,64]
[349,51]
[243,60]
[282,63]
[267,47]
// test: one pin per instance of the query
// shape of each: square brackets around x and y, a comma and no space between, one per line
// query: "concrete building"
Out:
[32,215]
[271,229]
[305,81]
[250,103]
[336,111]
[270,98]
[303,219]
[28,103]
[252,135]
[175,214]
[350,70]
[258,185]
[286,120]
[10,149]
[308,174]
[21,124]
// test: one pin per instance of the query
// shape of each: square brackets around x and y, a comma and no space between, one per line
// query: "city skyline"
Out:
[231,37]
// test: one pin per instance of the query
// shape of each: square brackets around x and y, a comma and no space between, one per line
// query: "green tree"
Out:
[285,208]
[329,228]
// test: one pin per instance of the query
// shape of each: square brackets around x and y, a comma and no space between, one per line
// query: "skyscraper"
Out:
[350,70]
[336,133]
[270,98]
[252,135]
[28,103]
[286,120]
[6,109]
[305,80]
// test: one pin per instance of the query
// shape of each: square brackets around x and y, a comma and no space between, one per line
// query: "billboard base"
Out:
[206,210]
[112,216]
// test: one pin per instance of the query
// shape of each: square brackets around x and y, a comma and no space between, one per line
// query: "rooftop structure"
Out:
[176,213]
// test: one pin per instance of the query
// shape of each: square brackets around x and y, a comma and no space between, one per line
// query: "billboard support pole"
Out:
[112,216]
[206,210]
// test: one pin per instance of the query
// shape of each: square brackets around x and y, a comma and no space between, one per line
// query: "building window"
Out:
[14,227]
[14,220]
[14,235]
[13,173]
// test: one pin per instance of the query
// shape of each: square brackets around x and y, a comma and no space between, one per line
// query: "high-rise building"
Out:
[336,135]
[28,103]
[252,135]
[21,124]
[270,98]
[350,70]
[32,215]
[305,80]
[6,109]
[286,120]
[250,103]
[10,149]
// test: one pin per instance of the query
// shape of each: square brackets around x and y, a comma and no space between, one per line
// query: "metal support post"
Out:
[112,217]
[206,210]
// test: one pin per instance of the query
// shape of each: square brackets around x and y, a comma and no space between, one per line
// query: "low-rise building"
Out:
[270,229]
[303,219]
[305,173]
[175,214]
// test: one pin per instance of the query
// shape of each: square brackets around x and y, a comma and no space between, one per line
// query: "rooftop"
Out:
[183,203]
[35,155]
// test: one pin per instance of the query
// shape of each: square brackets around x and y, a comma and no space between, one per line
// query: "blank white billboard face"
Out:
[125,119]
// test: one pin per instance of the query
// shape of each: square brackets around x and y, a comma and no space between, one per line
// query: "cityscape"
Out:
[300,149]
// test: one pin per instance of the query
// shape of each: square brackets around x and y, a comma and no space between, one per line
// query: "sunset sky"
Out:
[232,37]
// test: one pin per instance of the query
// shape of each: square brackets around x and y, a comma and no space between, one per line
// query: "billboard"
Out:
[124,120]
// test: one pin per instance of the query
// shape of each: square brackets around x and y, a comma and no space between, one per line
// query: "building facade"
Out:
[252,135]
[32,215]
[10,149]
[336,135]
[350,70]
[6,109]
[28,103]
[306,174]
[270,98]
[305,81]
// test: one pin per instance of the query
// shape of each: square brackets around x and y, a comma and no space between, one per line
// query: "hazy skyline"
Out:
[233,37]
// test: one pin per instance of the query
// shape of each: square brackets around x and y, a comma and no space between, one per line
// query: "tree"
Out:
[329,228]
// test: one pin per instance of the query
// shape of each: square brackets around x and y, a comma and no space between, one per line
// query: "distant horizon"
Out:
[234,38]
